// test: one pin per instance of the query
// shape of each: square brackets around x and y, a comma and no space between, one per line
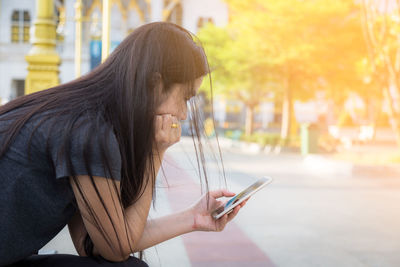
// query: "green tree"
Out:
[290,47]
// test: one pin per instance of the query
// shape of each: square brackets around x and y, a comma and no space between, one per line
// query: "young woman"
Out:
[86,153]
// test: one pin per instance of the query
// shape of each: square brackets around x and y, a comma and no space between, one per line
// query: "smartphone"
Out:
[239,198]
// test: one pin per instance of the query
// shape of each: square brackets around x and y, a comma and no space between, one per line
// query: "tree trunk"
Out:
[287,113]
[375,112]
[393,115]
[249,120]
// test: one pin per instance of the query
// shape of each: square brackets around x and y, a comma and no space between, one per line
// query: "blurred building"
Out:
[17,18]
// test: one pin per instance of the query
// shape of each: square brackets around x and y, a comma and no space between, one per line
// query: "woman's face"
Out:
[175,102]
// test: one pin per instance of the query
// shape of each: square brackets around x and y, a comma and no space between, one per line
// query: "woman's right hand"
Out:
[203,209]
[167,132]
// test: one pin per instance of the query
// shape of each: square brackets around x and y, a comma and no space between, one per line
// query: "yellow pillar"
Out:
[43,60]
[78,37]
[105,42]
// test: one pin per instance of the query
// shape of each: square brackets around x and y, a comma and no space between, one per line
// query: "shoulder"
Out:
[72,127]
[81,145]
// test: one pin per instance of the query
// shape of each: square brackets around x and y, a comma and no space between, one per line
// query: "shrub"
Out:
[264,139]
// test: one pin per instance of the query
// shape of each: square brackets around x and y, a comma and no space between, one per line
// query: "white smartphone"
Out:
[239,198]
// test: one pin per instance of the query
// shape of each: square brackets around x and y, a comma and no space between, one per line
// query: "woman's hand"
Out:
[202,218]
[167,132]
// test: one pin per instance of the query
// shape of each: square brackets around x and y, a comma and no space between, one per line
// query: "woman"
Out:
[87,153]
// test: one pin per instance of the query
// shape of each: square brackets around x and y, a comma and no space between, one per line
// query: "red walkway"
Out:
[230,247]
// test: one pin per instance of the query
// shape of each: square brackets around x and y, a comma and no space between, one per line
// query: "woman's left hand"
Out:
[165,133]
[202,218]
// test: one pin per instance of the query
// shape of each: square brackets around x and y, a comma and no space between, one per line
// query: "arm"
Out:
[196,218]
[77,227]
[78,232]
[166,227]
[115,232]
[135,215]
[102,218]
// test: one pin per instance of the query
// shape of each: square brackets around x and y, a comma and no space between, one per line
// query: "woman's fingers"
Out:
[167,130]
[244,202]
[219,203]
[175,121]
[233,213]
[167,122]
[221,222]
[176,128]
[221,193]
[159,123]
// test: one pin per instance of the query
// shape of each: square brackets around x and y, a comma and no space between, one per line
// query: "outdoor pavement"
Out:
[316,212]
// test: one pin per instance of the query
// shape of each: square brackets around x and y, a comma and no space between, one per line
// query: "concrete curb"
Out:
[381,171]
[248,147]
[318,162]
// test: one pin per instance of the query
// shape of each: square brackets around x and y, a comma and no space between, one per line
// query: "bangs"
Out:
[184,60]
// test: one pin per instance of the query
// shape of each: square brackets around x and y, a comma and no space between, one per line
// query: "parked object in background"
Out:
[366,133]
[309,138]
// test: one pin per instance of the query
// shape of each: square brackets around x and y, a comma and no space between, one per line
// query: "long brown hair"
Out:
[121,92]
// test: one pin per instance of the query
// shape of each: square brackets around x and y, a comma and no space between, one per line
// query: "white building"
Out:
[17,18]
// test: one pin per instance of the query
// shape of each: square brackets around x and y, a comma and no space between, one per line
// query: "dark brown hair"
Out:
[121,92]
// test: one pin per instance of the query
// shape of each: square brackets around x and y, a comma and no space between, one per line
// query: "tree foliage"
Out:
[382,67]
[290,47]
